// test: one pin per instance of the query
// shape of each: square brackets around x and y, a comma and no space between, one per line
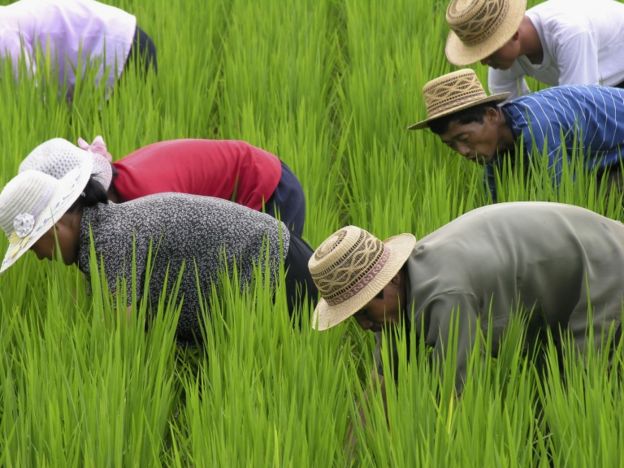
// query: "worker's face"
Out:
[45,247]
[383,310]
[476,141]
[504,58]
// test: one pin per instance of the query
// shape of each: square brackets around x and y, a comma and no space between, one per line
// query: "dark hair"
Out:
[472,114]
[91,195]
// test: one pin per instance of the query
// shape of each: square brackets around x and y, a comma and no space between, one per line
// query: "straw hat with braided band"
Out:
[350,268]
[452,93]
[480,28]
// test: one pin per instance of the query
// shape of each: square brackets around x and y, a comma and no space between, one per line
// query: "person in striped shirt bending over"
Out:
[558,123]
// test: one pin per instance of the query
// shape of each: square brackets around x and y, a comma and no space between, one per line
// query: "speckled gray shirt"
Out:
[182,229]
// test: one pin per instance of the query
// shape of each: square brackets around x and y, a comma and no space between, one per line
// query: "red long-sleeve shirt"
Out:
[228,169]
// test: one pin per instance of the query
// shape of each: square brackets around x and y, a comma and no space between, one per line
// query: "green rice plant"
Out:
[330,87]
[290,110]
[246,405]
[532,179]
[581,397]
[96,390]
[426,424]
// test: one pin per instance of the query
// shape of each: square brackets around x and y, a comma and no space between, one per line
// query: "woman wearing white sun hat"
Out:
[32,203]
[215,236]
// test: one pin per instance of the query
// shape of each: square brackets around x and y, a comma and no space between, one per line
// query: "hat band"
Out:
[484,24]
[361,281]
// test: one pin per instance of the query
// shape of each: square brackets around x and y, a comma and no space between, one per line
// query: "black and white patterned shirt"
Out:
[198,236]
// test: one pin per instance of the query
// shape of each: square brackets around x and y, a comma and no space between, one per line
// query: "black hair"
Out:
[91,195]
[472,114]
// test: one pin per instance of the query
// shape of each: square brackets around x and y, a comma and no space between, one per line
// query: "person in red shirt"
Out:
[228,169]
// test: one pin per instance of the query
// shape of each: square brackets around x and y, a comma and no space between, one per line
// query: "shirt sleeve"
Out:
[444,316]
[508,81]
[577,59]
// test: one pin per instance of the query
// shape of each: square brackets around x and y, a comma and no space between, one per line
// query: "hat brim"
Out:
[461,54]
[327,316]
[499,97]
[69,189]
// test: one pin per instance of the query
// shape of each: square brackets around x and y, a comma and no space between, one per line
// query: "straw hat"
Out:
[32,202]
[58,156]
[454,92]
[350,268]
[480,27]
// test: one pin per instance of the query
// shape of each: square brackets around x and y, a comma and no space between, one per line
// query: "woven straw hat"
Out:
[32,202]
[350,268]
[453,92]
[58,156]
[480,27]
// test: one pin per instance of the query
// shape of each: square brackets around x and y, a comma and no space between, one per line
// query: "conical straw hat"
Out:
[453,92]
[480,27]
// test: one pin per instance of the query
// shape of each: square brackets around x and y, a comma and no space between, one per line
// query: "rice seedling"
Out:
[330,86]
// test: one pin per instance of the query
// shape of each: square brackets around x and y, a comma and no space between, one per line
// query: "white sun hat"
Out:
[350,268]
[454,92]
[32,202]
[58,156]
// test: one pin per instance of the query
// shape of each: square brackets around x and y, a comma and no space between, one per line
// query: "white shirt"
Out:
[582,41]
[73,32]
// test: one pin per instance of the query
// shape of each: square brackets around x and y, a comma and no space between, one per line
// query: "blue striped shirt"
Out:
[589,119]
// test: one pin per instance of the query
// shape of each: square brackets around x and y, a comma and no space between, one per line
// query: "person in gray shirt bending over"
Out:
[190,237]
[552,260]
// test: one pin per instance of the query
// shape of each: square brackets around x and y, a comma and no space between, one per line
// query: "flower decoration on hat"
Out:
[23,224]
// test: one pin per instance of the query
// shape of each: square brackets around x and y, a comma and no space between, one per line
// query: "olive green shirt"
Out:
[548,259]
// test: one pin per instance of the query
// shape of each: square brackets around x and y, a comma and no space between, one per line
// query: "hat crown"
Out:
[346,263]
[475,21]
[28,192]
[451,91]
[57,157]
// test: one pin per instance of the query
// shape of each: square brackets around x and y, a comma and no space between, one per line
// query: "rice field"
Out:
[330,86]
